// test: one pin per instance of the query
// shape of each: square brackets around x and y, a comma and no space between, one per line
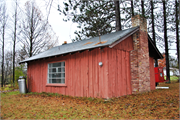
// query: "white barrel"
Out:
[22,85]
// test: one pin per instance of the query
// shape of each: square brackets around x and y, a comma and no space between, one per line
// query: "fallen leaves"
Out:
[101,42]
[88,43]
[157,104]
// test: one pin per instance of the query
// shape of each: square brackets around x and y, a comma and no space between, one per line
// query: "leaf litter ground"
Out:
[157,104]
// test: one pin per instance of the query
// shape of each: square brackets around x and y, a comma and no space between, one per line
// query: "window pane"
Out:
[62,69]
[54,75]
[50,75]
[62,81]
[50,65]
[58,81]
[59,69]
[62,64]
[63,75]
[56,64]
[53,80]
[50,80]
[58,75]
[52,70]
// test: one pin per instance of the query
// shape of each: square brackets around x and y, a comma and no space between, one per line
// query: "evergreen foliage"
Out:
[92,16]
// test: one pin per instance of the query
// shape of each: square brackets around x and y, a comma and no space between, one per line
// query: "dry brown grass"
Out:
[157,104]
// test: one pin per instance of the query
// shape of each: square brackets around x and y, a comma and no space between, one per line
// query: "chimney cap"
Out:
[65,42]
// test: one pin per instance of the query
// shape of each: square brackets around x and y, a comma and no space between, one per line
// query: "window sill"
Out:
[56,85]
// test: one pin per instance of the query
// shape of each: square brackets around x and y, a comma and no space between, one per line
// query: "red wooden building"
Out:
[121,64]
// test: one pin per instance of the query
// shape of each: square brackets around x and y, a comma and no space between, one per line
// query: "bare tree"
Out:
[3,22]
[14,38]
[8,67]
[48,4]
[20,55]
[37,34]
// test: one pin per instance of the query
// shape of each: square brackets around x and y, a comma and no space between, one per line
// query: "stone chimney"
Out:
[139,57]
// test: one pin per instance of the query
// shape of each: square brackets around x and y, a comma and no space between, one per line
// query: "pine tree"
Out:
[132,8]
[166,41]
[93,17]
[118,15]
[153,28]
[142,7]
[177,27]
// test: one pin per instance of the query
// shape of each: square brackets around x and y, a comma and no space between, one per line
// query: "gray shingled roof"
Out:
[107,40]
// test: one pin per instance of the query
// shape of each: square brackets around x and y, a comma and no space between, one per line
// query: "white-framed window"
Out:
[56,73]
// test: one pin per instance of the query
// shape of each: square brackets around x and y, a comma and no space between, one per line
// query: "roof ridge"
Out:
[101,36]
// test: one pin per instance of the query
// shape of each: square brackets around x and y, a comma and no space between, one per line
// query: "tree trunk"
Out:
[14,58]
[142,6]
[31,37]
[132,8]
[3,39]
[166,41]
[153,29]
[14,45]
[177,30]
[118,16]
[2,66]
[179,44]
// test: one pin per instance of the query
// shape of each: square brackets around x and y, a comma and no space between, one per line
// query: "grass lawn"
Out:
[9,87]
[172,78]
[157,104]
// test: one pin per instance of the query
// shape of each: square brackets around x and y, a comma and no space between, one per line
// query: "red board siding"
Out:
[84,76]
[119,73]
[126,45]
[152,73]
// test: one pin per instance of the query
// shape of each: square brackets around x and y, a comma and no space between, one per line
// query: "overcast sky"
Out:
[64,30]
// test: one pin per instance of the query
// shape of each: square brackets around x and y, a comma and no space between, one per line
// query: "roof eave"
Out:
[152,43]
[25,61]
